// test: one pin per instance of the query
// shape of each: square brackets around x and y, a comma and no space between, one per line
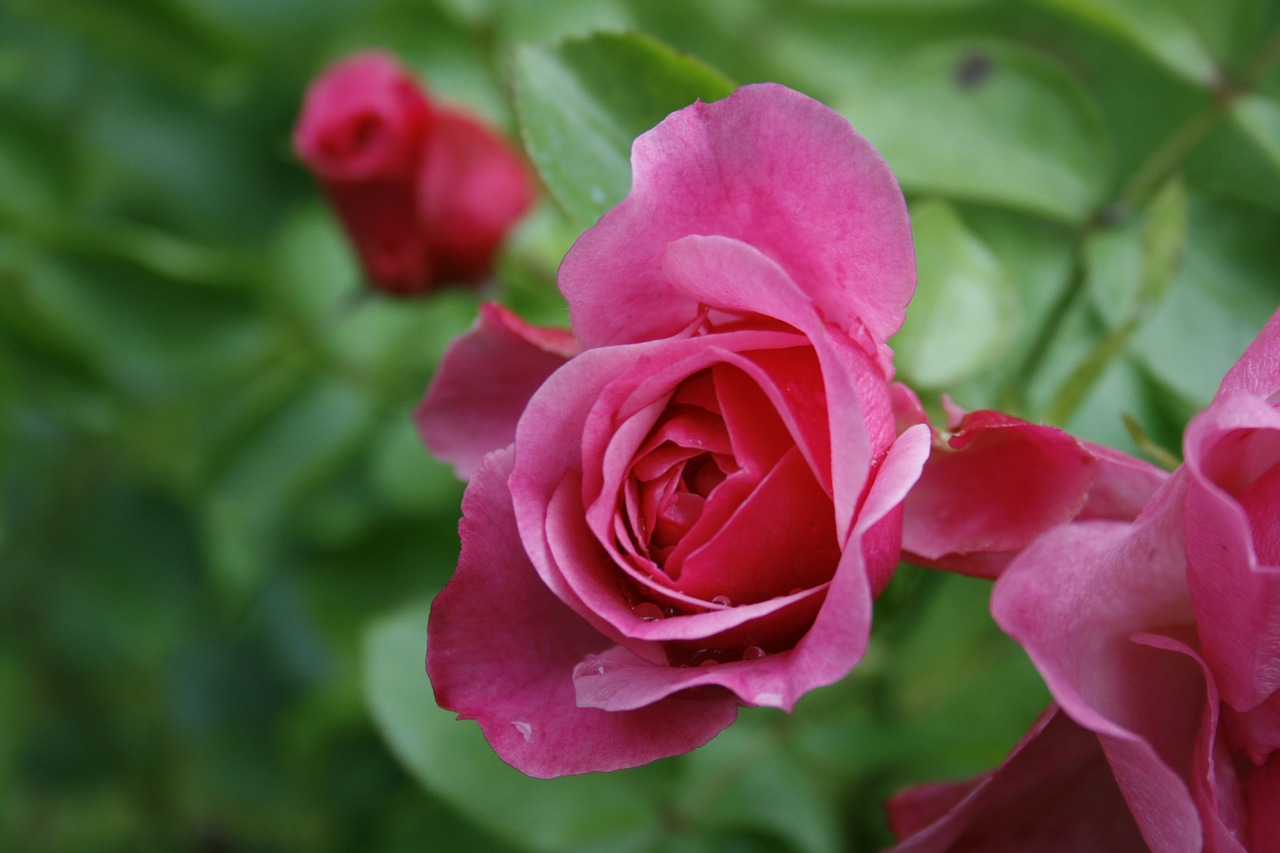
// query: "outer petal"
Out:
[1236,596]
[502,650]
[483,384]
[363,118]
[1000,481]
[1257,373]
[1262,792]
[1054,792]
[1075,599]
[471,189]
[992,488]
[767,166]
[1121,485]
[380,217]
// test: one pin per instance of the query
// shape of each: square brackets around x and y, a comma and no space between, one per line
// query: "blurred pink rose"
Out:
[1160,641]
[426,193]
[693,512]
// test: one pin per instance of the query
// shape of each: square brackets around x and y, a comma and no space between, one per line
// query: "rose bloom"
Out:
[425,192]
[1160,642]
[687,505]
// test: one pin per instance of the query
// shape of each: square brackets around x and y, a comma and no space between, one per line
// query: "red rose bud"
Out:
[425,193]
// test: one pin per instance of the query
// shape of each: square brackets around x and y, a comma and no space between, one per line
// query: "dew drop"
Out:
[709,662]
[525,729]
[753,653]
[648,611]
[722,600]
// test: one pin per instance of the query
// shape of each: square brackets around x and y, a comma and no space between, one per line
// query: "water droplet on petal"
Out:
[709,662]
[525,729]
[722,600]
[753,653]
[648,611]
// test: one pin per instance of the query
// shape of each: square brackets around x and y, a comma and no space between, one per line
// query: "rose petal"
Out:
[363,118]
[735,276]
[1262,793]
[761,425]
[1230,448]
[1211,771]
[997,484]
[767,166]
[483,384]
[782,537]
[1257,373]
[827,652]
[1121,485]
[1054,792]
[502,650]
[1074,599]
[896,476]
[472,188]
[380,218]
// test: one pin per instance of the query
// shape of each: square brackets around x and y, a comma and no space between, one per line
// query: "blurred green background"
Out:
[219,535]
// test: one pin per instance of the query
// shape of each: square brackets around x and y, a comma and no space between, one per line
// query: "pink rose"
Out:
[1160,641]
[425,192]
[694,512]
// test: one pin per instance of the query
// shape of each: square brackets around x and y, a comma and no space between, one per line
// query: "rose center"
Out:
[720,501]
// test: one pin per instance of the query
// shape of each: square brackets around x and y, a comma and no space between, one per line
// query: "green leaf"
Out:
[1260,119]
[1155,26]
[990,122]
[1225,290]
[1241,159]
[246,509]
[964,313]
[454,761]
[1230,29]
[1131,266]
[151,334]
[406,475]
[752,779]
[581,103]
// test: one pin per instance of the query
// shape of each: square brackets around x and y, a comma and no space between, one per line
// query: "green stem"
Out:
[1169,156]
[1186,139]
[1011,396]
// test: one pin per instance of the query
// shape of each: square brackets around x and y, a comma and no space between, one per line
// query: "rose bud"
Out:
[425,193]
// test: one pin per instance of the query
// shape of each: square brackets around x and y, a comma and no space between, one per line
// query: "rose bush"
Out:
[694,511]
[425,192]
[1160,642]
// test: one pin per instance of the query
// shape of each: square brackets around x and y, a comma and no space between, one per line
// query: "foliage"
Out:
[215,517]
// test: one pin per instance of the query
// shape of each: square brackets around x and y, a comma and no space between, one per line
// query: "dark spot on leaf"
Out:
[1112,215]
[973,70]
